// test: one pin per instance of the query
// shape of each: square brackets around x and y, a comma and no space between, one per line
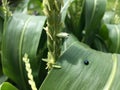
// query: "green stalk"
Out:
[52,10]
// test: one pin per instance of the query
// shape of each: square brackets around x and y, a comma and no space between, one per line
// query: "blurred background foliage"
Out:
[97,25]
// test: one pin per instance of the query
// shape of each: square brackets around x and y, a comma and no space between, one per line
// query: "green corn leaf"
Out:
[84,69]
[94,11]
[113,38]
[103,32]
[22,35]
[72,39]
[99,44]
[111,35]
[7,86]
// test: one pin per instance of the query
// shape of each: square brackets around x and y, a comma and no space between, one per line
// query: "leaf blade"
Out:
[21,40]
[94,12]
[113,39]
[75,74]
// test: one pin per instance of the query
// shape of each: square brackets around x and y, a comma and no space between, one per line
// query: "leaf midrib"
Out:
[93,12]
[20,48]
[112,74]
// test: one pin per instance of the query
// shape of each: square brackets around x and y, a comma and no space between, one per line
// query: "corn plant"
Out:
[59,44]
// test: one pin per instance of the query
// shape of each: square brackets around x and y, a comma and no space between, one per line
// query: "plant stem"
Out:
[52,11]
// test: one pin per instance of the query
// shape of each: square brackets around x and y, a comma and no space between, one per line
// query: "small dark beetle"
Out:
[86,62]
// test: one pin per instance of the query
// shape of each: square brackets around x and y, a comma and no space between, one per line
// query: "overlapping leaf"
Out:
[22,35]
[113,38]
[110,27]
[99,44]
[111,35]
[94,11]
[84,69]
